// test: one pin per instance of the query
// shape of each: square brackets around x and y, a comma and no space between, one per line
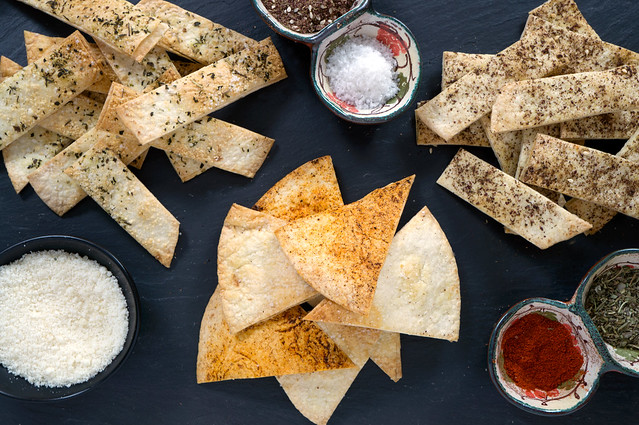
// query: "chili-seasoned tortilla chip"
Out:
[309,189]
[515,205]
[116,22]
[340,252]
[38,90]
[194,36]
[190,98]
[29,152]
[584,173]
[386,354]
[254,274]
[417,290]
[105,178]
[283,345]
[617,125]
[545,101]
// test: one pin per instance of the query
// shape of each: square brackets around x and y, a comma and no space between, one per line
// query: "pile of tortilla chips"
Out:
[534,103]
[300,244]
[79,113]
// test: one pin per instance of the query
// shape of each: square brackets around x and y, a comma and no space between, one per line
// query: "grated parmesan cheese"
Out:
[361,72]
[63,318]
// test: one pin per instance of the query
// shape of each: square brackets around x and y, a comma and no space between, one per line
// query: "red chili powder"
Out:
[539,353]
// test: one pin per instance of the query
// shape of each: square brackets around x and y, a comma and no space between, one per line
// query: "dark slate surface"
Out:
[443,382]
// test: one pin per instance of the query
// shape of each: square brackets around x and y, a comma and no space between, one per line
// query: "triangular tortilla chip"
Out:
[309,189]
[340,252]
[316,395]
[283,345]
[418,287]
[387,355]
[254,274]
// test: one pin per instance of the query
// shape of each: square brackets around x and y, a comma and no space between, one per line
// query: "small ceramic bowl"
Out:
[599,357]
[361,20]
[17,387]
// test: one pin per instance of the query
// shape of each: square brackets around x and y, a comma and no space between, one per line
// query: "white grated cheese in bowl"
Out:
[63,318]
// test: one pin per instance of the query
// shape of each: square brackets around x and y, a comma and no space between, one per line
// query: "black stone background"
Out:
[443,382]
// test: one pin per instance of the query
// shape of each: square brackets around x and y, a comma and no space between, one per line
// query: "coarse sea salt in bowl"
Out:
[119,297]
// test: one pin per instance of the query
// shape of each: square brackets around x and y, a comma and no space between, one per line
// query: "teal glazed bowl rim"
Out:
[19,388]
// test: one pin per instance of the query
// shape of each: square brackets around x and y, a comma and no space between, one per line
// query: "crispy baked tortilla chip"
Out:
[528,137]
[417,290]
[594,214]
[309,189]
[617,125]
[75,118]
[515,205]
[38,90]
[116,22]
[457,64]
[194,36]
[29,152]
[506,146]
[544,101]
[105,178]
[137,162]
[254,274]
[283,345]
[187,168]
[584,173]
[185,68]
[387,354]
[340,252]
[566,14]
[8,67]
[190,98]
[108,119]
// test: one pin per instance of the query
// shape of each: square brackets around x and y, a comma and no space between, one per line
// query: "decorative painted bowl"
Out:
[17,387]
[599,357]
[361,20]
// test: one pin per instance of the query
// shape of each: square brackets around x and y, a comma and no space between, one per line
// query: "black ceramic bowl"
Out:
[17,387]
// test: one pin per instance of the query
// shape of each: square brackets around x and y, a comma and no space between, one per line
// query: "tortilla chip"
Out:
[417,290]
[566,14]
[29,152]
[386,354]
[8,67]
[309,189]
[506,146]
[545,101]
[283,345]
[509,201]
[256,278]
[528,137]
[194,36]
[105,178]
[340,252]
[187,168]
[116,22]
[41,88]
[617,125]
[75,118]
[190,98]
[185,68]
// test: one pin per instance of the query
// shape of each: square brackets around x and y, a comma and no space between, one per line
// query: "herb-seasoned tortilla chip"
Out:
[105,178]
[340,252]
[29,152]
[584,173]
[190,98]
[528,137]
[116,22]
[256,278]
[194,36]
[283,345]
[505,146]
[509,201]
[544,101]
[617,125]
[566,14]
[309,189]
[185,68]
[417,290]
[386,354]
[38,90]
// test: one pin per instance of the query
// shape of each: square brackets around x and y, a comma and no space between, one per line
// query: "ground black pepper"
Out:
[307,16]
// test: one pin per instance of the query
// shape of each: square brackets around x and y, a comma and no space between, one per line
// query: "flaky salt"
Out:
[361,72]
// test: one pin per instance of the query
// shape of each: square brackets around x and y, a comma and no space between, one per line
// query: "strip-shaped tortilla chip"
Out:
[105,178]
[38,90]
[116,22]
[387,354]
[566,14]
[545,101]
[417,290]
[584,173]
[340,252]
[75,118]
[283,345]
[194,36]
[515,205]
[29,152]
[309,189]
[528,137]
[506,146]
[190,98]
[617,125]
[254,274]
